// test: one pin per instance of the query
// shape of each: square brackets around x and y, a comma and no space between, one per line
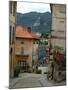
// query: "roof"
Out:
[22,32]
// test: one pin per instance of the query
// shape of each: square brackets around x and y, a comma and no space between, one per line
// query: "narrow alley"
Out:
[30,80]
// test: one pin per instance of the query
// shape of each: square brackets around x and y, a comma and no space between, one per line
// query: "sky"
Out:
[25,7]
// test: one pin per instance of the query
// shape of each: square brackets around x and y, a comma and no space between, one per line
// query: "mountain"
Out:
[39,22]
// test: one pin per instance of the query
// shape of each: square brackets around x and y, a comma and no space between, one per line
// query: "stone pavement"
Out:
[49,83]
[13,81]
[30,80]
[26,80]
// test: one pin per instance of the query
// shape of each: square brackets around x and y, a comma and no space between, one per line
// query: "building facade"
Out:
[12,25]
[25,48]
[58,29]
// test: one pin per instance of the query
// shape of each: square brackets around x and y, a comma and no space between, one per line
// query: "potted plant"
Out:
[39,71]
[16,70]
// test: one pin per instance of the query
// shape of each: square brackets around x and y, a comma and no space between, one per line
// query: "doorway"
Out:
[23,66]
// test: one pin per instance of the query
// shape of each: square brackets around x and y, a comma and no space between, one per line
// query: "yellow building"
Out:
[12,23]
[24,47]
[58,30]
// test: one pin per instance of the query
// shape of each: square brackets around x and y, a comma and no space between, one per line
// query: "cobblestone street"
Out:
[30,80]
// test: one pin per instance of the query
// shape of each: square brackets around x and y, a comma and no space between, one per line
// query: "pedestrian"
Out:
[52,66]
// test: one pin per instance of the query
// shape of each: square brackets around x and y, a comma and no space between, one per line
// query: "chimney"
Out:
[29,29]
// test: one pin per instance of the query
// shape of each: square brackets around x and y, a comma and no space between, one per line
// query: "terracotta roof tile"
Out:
[22,32]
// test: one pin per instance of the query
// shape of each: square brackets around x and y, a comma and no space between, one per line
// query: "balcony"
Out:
[22,54]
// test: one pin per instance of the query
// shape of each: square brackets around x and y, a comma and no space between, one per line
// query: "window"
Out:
[13,35]
[58,37]
[10,7]
[61,31]
[34,42]
[23,65]
[14,8]
[37,42]
[61,21]
[22,42]
[11,58]
[10,34]
[62,11]
[22,50]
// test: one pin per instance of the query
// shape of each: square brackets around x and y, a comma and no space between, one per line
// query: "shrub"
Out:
[29,69]
[39,71]
[16,70]
[45,72]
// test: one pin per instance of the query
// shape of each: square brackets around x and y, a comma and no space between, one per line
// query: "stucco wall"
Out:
[27,46]
[58,25]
